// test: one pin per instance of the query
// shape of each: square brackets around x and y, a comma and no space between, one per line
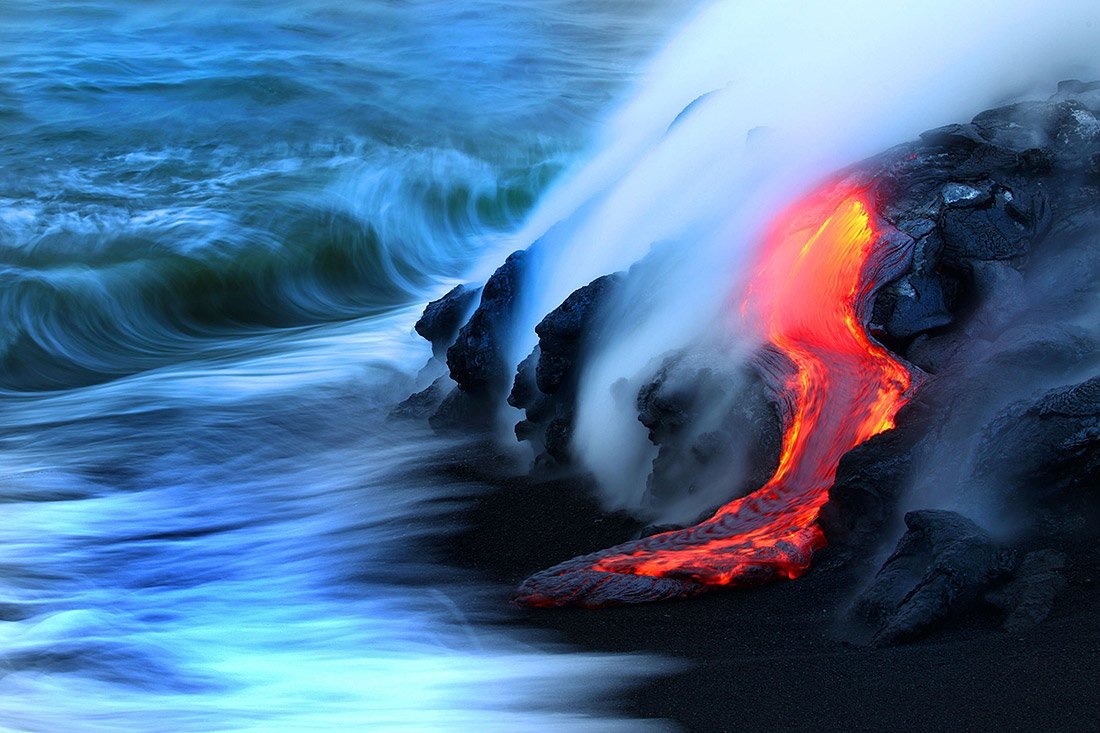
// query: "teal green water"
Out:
[218,221]
[172,173]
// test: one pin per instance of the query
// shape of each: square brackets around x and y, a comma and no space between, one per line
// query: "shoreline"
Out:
[778,656]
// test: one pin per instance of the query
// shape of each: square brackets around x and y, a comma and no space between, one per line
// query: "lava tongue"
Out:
[813,286]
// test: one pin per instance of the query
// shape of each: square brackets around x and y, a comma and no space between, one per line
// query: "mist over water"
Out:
[218,223]
[259,559]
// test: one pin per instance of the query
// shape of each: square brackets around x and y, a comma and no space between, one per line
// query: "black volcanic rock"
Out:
[981,200]
[562,333]
[545,382]
[946,414]
[1029,597]
[538,408]
[922,309]
[424,403]
[708,416]
[558,437]
[443,318]
[1063,131]
[869,482]
[477,359]
[1003,228]
[942,566]
[525,390]
[1047,448]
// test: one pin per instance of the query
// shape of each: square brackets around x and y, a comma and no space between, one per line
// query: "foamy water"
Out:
[217,226]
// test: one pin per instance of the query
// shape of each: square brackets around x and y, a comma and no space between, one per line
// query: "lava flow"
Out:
[812,291]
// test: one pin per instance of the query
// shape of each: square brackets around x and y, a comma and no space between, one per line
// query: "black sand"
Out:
[776,658]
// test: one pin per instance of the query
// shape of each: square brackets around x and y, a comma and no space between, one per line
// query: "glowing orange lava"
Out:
[812,286]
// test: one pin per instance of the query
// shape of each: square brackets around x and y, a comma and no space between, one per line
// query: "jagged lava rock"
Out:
[869,482]
[1029,597]
[477,358]
[443,318]
[563,331]
[545,382]
[979,200]
[1047,448]
[708,414]
[942,565]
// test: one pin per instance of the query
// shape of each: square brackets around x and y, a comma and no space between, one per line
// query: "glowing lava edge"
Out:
[811,293]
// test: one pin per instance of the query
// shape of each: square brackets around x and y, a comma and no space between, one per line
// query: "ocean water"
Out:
[218,222]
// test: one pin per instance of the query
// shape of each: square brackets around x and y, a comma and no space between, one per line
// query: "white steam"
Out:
[784,93]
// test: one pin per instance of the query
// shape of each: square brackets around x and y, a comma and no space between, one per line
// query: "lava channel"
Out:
[811,293]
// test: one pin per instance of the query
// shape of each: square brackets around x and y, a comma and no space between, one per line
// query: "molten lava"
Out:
[811,292]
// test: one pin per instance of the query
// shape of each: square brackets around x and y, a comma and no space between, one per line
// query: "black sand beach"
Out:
[777,657]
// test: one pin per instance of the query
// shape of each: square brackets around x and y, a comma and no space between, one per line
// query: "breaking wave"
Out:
[217,224]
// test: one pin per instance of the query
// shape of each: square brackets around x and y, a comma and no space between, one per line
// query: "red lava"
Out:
[811,294]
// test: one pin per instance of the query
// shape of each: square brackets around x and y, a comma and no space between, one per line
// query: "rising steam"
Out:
[811,292]
[748,107]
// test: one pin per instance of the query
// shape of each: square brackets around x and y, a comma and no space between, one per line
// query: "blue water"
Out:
[217,225]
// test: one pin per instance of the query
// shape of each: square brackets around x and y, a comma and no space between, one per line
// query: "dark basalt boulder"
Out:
[981,200]
[558,437]
[545,382]
[538,408]
[869,482]
[715,424]
[525,390]
[477,359]
[563,331]
[918,304]
[1063,131]
[442,319]
[942,566]
[1001,229]
[946,412]
[1049,448]
[470,330]
[1028,598]
[425,403]
[439,324]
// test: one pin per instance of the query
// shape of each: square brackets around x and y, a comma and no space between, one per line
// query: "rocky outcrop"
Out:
[981,200]
[563,332]
[868,485]
[443,318]
[478,358]
[942,566]
[1049,448]
[545,385]
[1003,214]
[715,424]
[1028,598]
[947,571]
